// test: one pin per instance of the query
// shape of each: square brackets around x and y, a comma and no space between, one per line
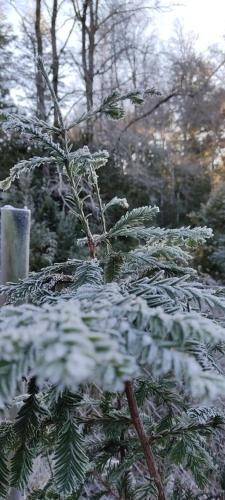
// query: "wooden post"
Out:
[15,246]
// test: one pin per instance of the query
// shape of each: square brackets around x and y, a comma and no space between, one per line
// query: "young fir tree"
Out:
[118,350]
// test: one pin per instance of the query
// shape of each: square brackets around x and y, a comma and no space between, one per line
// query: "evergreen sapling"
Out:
[119,349]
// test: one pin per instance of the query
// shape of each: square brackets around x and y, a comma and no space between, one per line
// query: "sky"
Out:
[206,18]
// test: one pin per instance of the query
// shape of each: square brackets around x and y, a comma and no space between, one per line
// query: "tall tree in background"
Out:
[93,47]
[7,82]
[55,57]
[40,84]
[106,49]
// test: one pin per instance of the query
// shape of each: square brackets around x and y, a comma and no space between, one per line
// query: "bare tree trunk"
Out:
[55,57]
[88,52]
[40,84]
[84,48]
[91,54]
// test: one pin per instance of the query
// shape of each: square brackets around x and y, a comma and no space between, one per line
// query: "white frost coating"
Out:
[106,340]
[10,207]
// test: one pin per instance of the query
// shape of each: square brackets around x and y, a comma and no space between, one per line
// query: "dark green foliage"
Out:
[88,273]
[212,213]
[21,466]
[113,266]
[27,420]
[69,459]
[26,427]
[4,474]
[165,393]
[44,246]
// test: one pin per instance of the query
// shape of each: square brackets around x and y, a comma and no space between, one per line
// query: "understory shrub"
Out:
[212,255]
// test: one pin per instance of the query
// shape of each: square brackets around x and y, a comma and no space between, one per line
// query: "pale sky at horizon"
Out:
[206,18]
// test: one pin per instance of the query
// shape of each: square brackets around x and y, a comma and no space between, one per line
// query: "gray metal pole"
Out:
[15,243]
[15,246]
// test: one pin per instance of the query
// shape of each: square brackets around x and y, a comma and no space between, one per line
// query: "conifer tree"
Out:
[121,351]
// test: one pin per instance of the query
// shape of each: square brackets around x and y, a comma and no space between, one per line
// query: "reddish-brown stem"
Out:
[149,457]
[92,248]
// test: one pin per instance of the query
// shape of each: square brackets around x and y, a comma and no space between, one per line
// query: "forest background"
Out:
[169,152]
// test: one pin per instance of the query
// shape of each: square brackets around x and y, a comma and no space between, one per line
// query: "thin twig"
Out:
[55,100]
[64,135]
[101,209]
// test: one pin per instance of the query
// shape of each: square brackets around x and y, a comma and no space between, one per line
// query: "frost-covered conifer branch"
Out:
[91,332]
[133,319]
[111,105]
